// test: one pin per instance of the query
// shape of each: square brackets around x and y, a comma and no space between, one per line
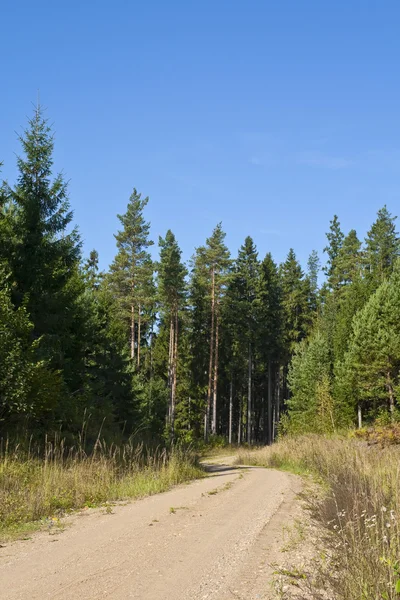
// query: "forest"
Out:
[225,347]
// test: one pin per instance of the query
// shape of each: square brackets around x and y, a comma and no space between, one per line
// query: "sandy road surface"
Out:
[218,545]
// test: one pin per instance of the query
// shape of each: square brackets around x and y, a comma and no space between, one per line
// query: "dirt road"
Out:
[213,539]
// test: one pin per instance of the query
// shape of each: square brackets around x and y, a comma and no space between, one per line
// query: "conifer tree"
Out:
[45,258]
[172,298]
[348,265]
[382,248]
[313,266]
[335,241]
[199,332]
[216,263]
[269,336]
[309,381]
[374,350]
[295,295]
[132,270]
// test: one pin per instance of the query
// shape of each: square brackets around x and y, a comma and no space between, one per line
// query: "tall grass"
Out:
[56,479]
[358,507]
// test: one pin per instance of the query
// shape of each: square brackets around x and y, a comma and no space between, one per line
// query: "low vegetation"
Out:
[37,486]
[358,508]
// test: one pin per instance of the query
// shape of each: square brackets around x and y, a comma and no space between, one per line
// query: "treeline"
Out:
[222,346]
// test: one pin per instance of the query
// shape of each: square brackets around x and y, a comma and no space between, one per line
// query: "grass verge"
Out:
[358,508]
[38,489]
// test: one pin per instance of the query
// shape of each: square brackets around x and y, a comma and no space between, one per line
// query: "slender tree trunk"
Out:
[273,421]
[263,420]
[214,412]
[139,334]
[249,407]
[239,438]
[269,404]
[174,376]
[359,414]
[211,361]
[170,359]
[278,400]
[389,386]
[133,333]
[230,412]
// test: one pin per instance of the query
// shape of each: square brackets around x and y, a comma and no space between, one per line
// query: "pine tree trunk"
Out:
[174,376]
[214,413]
[239,438]
[249,407]
[273,421]
[132,333]
[230,412]
[139,334]
[211,361]
[278,400]
[269,404]
[170,352]
[263,420]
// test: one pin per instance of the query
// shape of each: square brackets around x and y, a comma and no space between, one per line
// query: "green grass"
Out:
[34,489]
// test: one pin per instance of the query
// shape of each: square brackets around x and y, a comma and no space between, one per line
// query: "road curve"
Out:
[217,543]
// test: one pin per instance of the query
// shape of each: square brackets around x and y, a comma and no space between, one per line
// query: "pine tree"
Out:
[313,266]
[131,272]
[309,381]
[241,311]
[269,336]
[295,293]
[172,299]
[348,265]
[199,333]
[217,264]
[335,241]
[374,350]
[382,248]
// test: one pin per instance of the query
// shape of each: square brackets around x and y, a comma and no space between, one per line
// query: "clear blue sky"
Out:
[269,116]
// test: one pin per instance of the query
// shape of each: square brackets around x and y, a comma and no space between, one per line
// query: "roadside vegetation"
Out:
[39,487]
[357,506]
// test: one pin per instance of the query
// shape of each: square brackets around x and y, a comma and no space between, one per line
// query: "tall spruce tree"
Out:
[43,257]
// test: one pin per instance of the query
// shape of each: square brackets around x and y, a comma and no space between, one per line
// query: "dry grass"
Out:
[56,481]
[358,507]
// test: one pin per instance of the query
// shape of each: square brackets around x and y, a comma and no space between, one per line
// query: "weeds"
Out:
[37,486]
[358,507]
